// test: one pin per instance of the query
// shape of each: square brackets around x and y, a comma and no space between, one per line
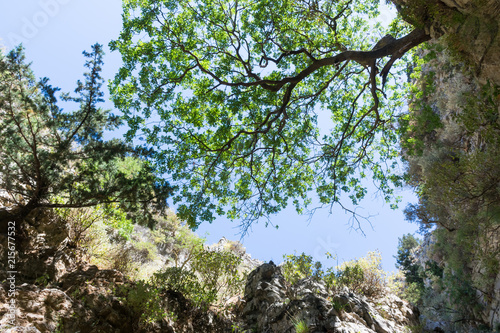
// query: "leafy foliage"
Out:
[300,326]
[352,276]
[405,259]
[219,273]
[236,91]
[413,287]
[203,277]
[296,268]
[145,300]
[50,158]
[182,281]
[364,275]
[210,278]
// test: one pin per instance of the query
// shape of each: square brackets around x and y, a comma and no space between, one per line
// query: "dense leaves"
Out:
[300,267]
[50,158]
[251,105]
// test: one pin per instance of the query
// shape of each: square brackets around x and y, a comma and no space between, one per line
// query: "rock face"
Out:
[90,301]
[470,27]
[58,293]
[80,303]
[464,136]
[468,33]
[273,306]
[247,262]
[38,309]
[477,35]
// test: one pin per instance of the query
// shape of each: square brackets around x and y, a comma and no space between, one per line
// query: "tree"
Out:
[405,259]
[50,158]
[234,91]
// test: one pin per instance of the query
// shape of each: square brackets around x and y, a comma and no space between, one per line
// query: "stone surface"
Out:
[87,301]
[470,27]
[271,305]
[247,262]
[453,85]
[37,310]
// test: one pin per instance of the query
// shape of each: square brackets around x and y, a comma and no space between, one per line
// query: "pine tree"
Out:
[53,158]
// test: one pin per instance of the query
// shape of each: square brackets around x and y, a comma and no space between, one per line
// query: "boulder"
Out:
[272,305]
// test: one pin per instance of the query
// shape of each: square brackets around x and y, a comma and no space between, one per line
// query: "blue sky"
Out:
[54,34]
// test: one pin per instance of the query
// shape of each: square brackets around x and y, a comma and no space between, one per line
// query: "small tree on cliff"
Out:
[405,259]
[230,95]
[55,159]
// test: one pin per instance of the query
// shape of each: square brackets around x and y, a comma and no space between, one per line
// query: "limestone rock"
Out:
[271,305]
[37,310]
[451,97]
[89,301]
[247,262]
[471,28]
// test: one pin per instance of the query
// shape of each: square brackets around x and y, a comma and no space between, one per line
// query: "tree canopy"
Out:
[51,158]
[235,97]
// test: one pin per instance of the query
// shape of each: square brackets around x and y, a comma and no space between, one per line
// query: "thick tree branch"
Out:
[396,50]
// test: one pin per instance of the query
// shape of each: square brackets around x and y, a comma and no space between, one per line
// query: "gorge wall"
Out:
[453,156]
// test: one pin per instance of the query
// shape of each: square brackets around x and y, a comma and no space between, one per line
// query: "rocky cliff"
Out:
[92,300]
[272,305]
[468,27]
[453,161]
[59,292]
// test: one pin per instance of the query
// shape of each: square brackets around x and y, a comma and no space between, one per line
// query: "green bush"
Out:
[235,247]
[295,268]
[300,326]
[219,274]
[456,178]
[145,299]
[207,279]
[351,276]
[413,293]
[101,232]
[182,281]
[364,275]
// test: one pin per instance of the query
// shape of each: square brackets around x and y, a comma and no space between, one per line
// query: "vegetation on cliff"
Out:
[451,148]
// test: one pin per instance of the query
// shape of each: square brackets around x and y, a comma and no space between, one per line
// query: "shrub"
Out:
[182,281]
[413,293]
[235,247]
[119,257]
[364,275]
[299,267]
[145,251]
[210,277]
[456,177]
[184,245]
[300,326]
[78,222]
[145,299]
[351,276]
[101,232]
[218,272]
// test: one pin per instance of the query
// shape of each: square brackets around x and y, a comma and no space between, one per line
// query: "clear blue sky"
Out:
[54,34]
